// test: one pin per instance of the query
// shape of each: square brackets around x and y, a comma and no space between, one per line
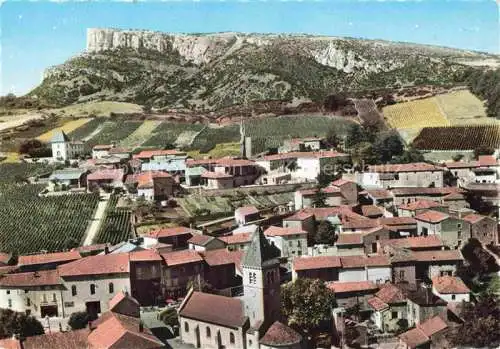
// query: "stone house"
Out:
[352,293]
[290,241]
[222,268]
[152,185]
[246,214]
[176,236]
[237,242]
[181,268]
[430,264]
[375,268]
[348,189]
[450,289]
[414,208]
[201,242]
[424,334]
[302,220]
[402,175]
[110,178]
[389,306]
[448,228]
[46,261]
[304,198]
[69,177]
[450,196]
[482,228]
[221,173]
[326,268]
[422,304]
[146,277]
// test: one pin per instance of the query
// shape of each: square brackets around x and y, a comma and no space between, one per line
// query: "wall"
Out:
[120,282]
[485,230]
[379,274]
[455,297]
[432,229]
[189,336]
[352,274]
[438,269]
[408,274]
[36,296]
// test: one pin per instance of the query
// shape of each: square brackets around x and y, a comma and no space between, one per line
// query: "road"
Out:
[96,220]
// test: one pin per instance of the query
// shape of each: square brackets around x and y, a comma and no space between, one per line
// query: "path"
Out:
[96,220]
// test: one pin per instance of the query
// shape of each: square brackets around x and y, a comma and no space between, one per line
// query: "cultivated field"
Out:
[220,150]
[167,133]
[415,114]
[114,131]
[140,135]
[463,108]
[68,127]
[18,172]
[29,223]
[116,226]
[458,137]
[101,108]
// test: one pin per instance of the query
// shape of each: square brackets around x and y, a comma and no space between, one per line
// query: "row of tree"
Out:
[486,85]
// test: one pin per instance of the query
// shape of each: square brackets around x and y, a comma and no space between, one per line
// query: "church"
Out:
[249,322]
[64,149]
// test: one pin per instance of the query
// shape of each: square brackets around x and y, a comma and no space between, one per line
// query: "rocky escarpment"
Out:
[213,71]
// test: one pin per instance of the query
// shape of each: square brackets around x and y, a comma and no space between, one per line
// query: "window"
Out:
[73,290]
[92,288]
[8,291]
[10,303]
[299,253]
[401,275]
[209,334]
[54,298]
[28,302]
[453,297]
[298,244]
[394,315]
[231,338]
[290,243]
[250,342]
[111,287]
[186,327]
[26,291]
[44,298]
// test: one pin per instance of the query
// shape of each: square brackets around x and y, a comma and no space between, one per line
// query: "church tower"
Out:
[261,281]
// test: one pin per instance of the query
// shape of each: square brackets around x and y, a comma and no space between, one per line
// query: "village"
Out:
[391,251]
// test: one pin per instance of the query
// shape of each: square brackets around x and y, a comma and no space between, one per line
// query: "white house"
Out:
[64,149]
[101,151]
[291,242]
[419,174]
[450,289]
[376,268]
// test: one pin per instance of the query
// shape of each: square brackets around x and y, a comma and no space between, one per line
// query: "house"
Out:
[291,242]
[247,322]
[352,293]
[221,173]
[64,149]
[423,334]
[422,304]
[375,268]
[156,154]
[303,220]
[481,227]
[246,214]
[201,242]
[379,197]
[237,242]
[348,189]
[304,198]
[106,178]
[389,307]
[176,236]
[414,243]
[46,261]
[450,196]
[318,267]
[484,170]
[419,206]
[152,185]
[301,144]
[418,174]
[366,241]
[448,228]
[146,277]
[350,244]
[100,151]
[118,328]
[92,281]
[450,289]
[222,268]
[436,263]
[173,164]
[181,268]
[70,177]
[372,211]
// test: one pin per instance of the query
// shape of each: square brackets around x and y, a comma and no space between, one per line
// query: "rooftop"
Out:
[247,210]
[432,216]
[377,304]
[421,205]
[473,218]
[201,239]
[411,167]
[181,257]
[351,286]
[168,232]
[279,231]
[260,252]
[47,258]
[38,278]
[316,262]
[350,239]
[438,256]
[449,285]
[414,242]
[240,238]
[222,257]
[106,174]
[96,265]
[215,175]
[280,335]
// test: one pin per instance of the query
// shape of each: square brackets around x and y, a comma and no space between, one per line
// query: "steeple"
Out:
[260,253]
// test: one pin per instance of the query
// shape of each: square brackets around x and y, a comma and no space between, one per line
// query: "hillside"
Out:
[208,72]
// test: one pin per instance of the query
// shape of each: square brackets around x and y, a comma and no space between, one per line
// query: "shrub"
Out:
[78,320]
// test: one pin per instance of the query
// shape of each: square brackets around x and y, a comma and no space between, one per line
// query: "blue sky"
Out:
[36,35]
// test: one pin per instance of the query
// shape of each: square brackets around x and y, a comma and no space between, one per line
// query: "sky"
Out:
[39,34]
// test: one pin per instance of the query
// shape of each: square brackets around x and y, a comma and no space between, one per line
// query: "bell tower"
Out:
[261,281]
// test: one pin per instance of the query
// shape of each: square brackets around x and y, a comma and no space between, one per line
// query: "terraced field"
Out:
[168,132]
[221,150]
[87,130]
[140,135]
[114,131]
[66,128]
[116,225]
[207,139]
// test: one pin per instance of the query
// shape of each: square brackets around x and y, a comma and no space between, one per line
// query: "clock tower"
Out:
[261,281]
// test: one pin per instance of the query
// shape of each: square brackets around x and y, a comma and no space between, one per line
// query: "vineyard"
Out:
[86,130]
[18,172]
[114,131]
[116,225]
[140,135]
[29,223]
[462,107]
[415,114]
[66,128]
[207,139]
[458,137]
[367,111]
[168,132]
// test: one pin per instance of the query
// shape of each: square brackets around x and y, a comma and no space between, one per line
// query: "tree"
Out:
[325,233]
[355,135]
[34,148]
[482,323]
[319,199]
[169,317]
[387,145]
[483,151]
[332,138]
[363,153]
[78,320]
[306,303]
[15,323]
[410,155]
[479,261]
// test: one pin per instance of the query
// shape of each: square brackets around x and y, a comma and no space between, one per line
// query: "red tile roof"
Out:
[390,294]
[4,258]
[414,338]
[118,298]
[397,221]
[215,175]
[58,340]
[107,174]
[168,232]
[414,242]
[240,238]
[421,205]
[449,285]
[226,162]
[461,164]
[181,257]
[215,309]
[247,210]
[124,332]
[340,182]
[361,224]
[95,265]
[147,154]
[10,343]
[379,194]
[344,212]
[432,326]
[371,210]
[351,286]
[299,216]
[39,278]
[350,239]
[47,258]
[377,304]
[91,248]
[279,231]
[146,178]
[145,256]
[222,257]
[473,218]
[411,167]
[297,154]
[102,147]
[438,256]
[362,261]
[432,216]
[279,335]
[316,262]
[411,191]
[487,160]
[200,239]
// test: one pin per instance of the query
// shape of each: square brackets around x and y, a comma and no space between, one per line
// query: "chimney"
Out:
[106,249]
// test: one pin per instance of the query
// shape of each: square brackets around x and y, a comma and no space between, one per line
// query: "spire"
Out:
[260,253]
[59,137]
